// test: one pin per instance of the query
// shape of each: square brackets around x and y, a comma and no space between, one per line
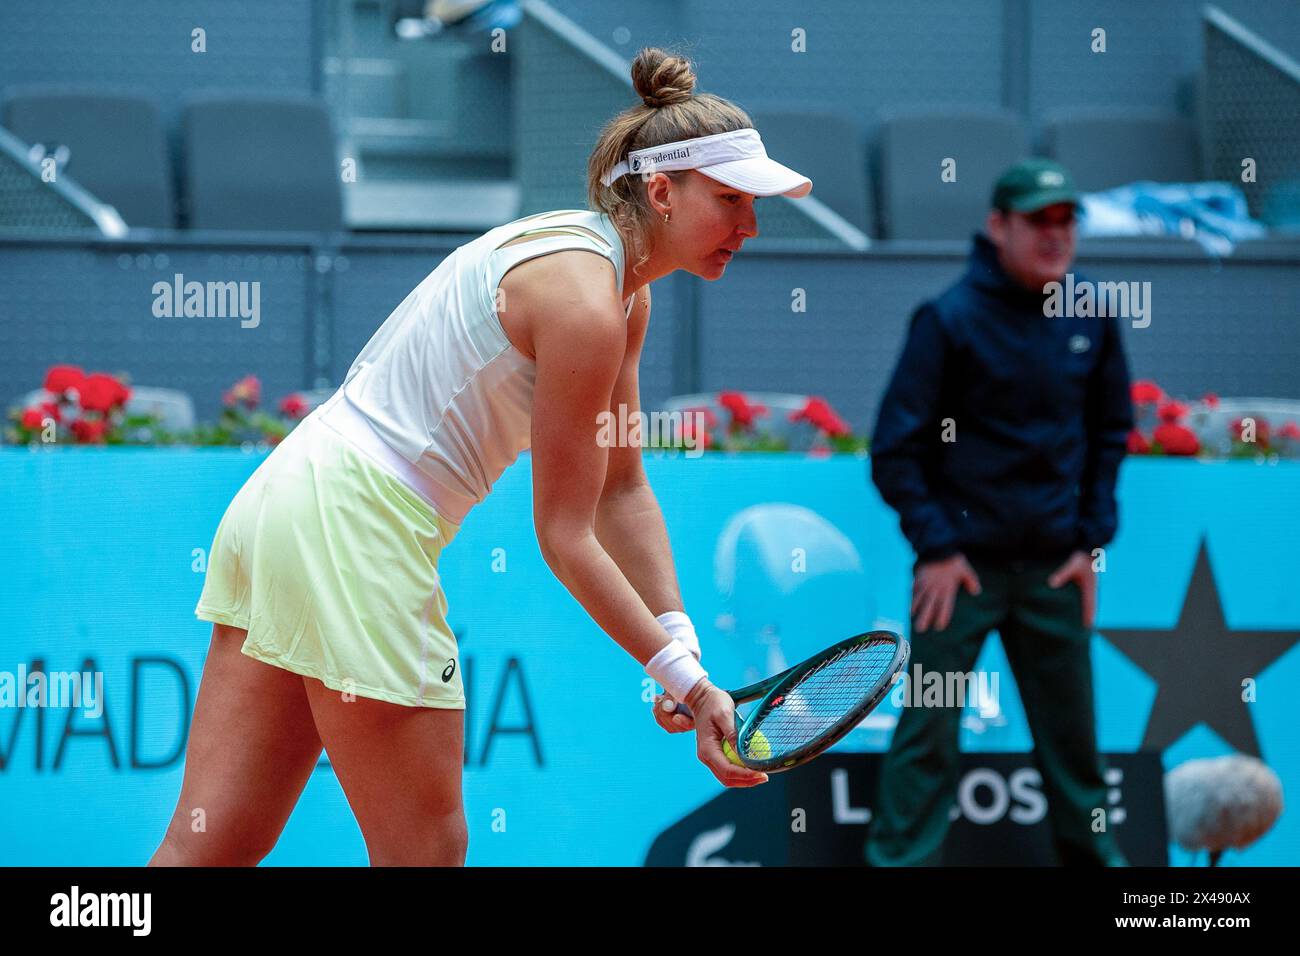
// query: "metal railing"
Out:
[37,204]
[1249,129]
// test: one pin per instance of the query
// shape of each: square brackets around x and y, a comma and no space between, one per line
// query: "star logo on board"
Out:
[1199,666]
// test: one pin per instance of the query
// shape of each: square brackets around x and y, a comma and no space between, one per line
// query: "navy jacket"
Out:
[1037,412]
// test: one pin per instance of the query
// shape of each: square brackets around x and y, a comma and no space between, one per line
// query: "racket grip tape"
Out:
[682,709]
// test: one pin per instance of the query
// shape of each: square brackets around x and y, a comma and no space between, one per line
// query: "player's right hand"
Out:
[667,716]
[715,720]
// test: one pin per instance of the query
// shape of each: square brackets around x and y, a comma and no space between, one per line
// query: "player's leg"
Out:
[918,776]
[252,747]
[1048,649]
[400,768]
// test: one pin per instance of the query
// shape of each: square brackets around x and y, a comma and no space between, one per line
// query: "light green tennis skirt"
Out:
[330,563]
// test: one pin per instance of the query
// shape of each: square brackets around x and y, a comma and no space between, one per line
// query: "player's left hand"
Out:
[1078,568]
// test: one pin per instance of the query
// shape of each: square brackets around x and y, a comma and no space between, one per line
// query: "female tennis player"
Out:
[324,566]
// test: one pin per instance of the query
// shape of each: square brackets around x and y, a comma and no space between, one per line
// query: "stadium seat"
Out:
[261,162]
[117,150]
[831,150]
[1103,149]
[914,202]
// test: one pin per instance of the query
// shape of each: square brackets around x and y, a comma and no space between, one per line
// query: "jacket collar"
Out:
[987,274]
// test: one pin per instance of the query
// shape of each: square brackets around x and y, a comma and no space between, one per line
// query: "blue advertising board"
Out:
[102,561]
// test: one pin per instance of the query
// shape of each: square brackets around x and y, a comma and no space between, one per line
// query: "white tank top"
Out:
[439,396]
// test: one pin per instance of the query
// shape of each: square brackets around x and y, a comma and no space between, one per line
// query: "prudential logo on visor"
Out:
[670,155]
[648,163]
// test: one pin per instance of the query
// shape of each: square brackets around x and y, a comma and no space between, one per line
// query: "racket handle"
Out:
[685,711]
[682,709]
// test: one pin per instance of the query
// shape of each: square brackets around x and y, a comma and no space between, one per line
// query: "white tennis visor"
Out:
[736,158]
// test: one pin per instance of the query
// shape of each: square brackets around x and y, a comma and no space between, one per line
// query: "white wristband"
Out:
[676,668]
[679,626]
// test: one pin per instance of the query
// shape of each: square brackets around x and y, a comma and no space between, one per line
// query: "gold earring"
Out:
[665,217]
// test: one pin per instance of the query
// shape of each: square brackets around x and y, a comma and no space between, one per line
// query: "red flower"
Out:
[33,419]
[742,412]
[52,410]
[1171,411]
[1289,430]
[820,415]
[101,393]
[837,427]
[247,390]
[295,406]
[1210,399]
[1261,431]
[1138,444]
[1145,393]
[89,430]
[60,378]
[1176,439]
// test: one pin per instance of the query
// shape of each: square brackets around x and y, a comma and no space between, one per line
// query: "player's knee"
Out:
[203,848]
[456,837]
[447,839]
[437,841]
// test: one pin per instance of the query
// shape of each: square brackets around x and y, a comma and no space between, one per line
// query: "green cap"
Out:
[1032,184]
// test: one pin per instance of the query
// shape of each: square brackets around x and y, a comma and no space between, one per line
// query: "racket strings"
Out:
[820,699]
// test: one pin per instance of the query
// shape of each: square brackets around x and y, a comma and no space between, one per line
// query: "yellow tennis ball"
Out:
[759,748]
[730,753]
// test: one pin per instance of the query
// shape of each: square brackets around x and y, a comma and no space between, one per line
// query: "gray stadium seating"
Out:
[117,148]
[261,162]
[1107,148]
[831,150]
[914,203]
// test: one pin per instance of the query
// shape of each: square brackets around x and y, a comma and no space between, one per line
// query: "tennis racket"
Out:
[804,710]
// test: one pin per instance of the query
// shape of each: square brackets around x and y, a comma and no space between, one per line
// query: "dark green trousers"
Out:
[1047,647]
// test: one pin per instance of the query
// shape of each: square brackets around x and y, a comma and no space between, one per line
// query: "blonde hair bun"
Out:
[670,110]
[661,79]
